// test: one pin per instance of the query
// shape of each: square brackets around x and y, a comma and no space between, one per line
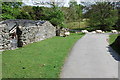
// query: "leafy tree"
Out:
[73,13]
[79,13]
[102,15]
[39,12]
[54,15]
[73,10]
[10,10]
[26,12]
[31,12]
[117,6]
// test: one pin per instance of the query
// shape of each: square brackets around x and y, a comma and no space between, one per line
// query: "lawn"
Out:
[76,25]
[43,59]
[112,38]
[0,66]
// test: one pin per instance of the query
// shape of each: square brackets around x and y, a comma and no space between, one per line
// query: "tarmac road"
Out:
[91,57]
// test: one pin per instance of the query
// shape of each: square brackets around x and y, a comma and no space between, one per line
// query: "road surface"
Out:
[91,57]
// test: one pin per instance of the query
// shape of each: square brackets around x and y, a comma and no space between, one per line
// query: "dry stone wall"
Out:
[4,37]
[35,34]
[27,31]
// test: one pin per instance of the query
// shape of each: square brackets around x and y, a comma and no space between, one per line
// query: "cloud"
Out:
[64,2]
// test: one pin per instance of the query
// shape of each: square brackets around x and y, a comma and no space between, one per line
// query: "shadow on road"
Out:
[114,54]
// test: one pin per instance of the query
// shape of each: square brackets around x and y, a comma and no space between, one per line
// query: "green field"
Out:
[112,38]
[43,59]
[77,25]
[0,66]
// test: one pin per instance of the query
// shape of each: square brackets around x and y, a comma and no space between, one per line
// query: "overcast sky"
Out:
[65,2]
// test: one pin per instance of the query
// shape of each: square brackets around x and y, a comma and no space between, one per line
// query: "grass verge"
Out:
[43,59]
[0,65]
[77,25]
[112,38]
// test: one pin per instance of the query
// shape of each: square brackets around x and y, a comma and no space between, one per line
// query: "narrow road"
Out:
[91,57]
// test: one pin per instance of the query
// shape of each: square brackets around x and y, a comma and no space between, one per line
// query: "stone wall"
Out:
[35,34]
[27,31]
[4,37]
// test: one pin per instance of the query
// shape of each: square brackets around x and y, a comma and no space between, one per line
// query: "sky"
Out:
[65,2]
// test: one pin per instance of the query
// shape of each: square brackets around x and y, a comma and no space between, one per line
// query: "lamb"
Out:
[77,32]
[99,31]
[103,32]
[93,32]
[114,31]
[84,31]
[67,33]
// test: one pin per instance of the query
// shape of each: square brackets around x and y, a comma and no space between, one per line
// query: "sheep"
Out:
[114,31]
[61,34]
[67,33]
[84,31]
[99,31]
[77,32]
[93,32]
[103,32]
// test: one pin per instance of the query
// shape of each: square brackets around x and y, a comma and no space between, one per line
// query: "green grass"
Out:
[0,66]
[43,59]
[112,38]
[75,25]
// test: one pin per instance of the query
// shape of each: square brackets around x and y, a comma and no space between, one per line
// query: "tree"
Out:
[79,13]
[102,15]
[32,12]
[10,10]
[26,12]
[117,6]
[55,15]
[39,12]
[73,10]
[73,13]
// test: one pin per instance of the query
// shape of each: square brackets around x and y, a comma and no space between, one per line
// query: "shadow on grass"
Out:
[114,48]
[114,54]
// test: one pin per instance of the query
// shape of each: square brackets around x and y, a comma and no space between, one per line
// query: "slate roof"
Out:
[22,21]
